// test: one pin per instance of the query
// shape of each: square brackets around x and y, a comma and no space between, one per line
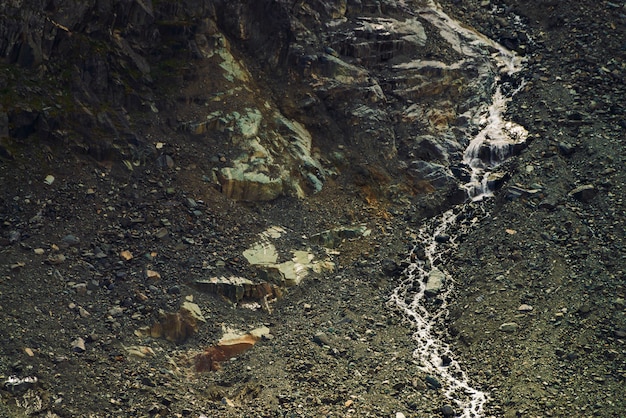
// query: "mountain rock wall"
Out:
[288,95]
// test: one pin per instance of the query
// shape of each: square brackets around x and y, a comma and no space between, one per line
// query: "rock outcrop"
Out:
[295,94]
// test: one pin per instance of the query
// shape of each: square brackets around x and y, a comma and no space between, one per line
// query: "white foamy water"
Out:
[410,297]
[497,140]
[495,143]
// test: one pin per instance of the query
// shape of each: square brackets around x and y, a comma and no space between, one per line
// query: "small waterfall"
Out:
[497,141]
[426,304]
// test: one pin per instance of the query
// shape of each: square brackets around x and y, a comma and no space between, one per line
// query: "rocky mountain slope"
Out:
[176,172]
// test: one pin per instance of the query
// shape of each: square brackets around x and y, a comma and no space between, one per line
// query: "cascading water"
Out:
[426,279]
[497,141]
[411,297]
[497,138]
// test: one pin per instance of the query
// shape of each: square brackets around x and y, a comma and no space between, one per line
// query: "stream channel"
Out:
[427,288]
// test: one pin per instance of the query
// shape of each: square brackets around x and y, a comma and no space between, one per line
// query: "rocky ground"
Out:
[560,254]
[115,239]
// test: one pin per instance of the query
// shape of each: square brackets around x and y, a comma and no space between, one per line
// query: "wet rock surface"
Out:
[146,146]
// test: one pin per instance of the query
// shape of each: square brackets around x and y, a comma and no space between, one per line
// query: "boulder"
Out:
[331,238]
[584,193]
[238,184]
[437,175]
[435,282]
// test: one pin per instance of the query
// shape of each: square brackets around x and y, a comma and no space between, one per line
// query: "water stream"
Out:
[412,298]
[427,288]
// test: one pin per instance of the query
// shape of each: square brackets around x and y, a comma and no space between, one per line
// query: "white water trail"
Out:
[496,140]
[493,145]
[411,296]
[469,42]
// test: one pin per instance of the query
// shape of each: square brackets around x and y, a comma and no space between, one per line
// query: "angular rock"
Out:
[509,327]
[230,345]
[436,175]
[70,240]
[177,326]
[496,180]
[433,382]
[78,345]
[55,259]
[390,267]
[549,203]
[331,238]
[243,185]
[239,289]
[322,339]
[442,238]
[435,282]
[264,256]
[193,309]
[261,253]
[584,193]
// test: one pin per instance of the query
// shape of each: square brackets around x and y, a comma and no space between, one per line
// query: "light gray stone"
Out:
[249,186]
[78,345]
[435,282]
[509,327]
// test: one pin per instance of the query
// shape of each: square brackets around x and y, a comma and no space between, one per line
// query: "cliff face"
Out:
[70,68]
[289,94]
